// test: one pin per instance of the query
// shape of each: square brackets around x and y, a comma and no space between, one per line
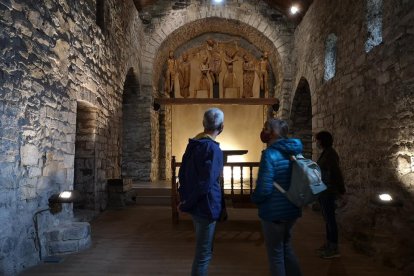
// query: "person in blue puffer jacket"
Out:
[277,213]
[200,190]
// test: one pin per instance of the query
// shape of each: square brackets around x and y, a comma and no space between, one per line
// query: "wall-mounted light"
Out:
[56,200]
[386,199]
[276,105]
[217,1]
[156,106]
[294,9]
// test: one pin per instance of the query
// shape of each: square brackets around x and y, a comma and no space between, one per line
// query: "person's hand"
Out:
[178,208]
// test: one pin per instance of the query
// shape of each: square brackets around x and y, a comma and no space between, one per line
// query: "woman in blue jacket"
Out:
[277,213]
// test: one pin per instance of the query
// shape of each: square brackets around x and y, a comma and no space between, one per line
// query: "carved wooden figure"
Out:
[170,74]
[184,76]
[264,74]
[248,77]
[203,83]
[215,59]
[230,80]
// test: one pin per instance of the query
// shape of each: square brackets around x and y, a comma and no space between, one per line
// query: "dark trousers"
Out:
[327,202]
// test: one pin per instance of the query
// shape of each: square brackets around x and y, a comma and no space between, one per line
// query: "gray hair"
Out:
[213,119]
[279,127]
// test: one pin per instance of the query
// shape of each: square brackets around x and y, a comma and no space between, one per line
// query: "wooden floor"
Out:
[140,240]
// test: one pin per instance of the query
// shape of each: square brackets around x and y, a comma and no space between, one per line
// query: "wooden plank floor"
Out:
[140,240]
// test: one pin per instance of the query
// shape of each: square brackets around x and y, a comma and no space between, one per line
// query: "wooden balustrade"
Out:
[235,194]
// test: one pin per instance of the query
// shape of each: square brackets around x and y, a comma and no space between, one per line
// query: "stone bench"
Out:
[67,238]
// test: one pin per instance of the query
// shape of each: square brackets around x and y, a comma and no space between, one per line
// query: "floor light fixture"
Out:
[386,199]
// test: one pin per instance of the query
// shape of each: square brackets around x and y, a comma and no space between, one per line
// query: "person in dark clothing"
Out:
[278,215]
[332,176]
[200,190]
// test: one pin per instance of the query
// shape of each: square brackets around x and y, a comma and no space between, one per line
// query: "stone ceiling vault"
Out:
[281,5]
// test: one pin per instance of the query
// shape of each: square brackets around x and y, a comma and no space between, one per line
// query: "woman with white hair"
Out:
[200,191]
[277,213]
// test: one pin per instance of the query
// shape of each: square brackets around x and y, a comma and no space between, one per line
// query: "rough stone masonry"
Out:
[69,87]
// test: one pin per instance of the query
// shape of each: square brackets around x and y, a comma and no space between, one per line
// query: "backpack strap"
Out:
[280,189]
[291,158]
[295,157]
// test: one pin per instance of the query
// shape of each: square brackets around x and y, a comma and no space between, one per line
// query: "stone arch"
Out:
[85,178]
[279,63]
[305,71]
[301,116]
[243,20]
[130,126]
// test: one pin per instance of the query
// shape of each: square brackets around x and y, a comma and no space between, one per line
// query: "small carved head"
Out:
[210,42]
[185,57]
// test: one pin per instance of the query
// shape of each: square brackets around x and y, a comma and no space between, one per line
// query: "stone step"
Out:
[160,196]
[153,200]
[152,191]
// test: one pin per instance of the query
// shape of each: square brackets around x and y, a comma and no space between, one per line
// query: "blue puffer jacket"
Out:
[276,166]
[199,176]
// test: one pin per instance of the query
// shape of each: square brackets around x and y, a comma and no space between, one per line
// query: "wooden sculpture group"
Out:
[210,60]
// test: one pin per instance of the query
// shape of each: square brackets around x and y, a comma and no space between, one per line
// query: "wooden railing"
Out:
[236,191]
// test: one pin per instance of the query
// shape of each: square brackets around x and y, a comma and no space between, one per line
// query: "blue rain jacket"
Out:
[276,166]
[199,177]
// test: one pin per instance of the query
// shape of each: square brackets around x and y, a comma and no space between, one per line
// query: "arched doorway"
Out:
[301,116]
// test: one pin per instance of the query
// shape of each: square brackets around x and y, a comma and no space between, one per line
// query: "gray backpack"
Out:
[306,182]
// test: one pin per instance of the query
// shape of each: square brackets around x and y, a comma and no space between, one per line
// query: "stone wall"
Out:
[368,106]
[85,154]
[52,56]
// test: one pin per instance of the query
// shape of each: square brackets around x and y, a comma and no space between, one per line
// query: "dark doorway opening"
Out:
[301,117]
